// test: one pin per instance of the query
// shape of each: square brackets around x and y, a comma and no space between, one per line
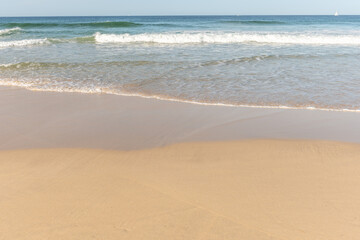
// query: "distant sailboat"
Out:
[336,14]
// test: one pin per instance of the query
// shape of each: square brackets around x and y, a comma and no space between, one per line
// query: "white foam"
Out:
[9,30]
[5,65]
[21,43]
[184,38]
[99,90]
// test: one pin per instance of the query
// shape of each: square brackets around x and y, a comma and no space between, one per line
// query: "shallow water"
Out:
[274,61]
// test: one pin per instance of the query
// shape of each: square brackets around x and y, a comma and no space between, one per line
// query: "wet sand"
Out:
[71,120]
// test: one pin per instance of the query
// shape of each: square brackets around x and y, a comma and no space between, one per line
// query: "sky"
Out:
[176,7]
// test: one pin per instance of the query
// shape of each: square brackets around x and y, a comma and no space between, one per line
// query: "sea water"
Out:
[259,61]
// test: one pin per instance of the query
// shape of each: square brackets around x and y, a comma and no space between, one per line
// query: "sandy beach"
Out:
[89,166]
[252,189]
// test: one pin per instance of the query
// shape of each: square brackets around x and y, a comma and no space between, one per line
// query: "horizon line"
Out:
[184,15]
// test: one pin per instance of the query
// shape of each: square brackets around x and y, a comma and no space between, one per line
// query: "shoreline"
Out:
[170,99]
[36,119]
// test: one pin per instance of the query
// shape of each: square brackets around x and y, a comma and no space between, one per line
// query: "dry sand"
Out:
[256,189]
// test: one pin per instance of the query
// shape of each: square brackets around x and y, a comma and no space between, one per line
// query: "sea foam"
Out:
[223,38]
[9,30]
[21,43]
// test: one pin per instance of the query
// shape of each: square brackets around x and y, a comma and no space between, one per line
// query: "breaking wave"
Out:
[22,43]
[188,38]
[196,38]
[9,31]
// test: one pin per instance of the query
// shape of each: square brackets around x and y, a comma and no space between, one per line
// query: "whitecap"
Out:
[223,38]
[21,43]
[9,31]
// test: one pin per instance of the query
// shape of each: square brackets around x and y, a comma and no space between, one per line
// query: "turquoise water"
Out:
[263,61]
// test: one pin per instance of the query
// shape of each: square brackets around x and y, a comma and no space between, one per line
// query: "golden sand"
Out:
[258,189]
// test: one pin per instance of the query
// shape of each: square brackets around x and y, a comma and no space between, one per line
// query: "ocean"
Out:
[310,62]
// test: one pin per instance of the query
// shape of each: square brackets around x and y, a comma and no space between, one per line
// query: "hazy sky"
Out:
[174,7]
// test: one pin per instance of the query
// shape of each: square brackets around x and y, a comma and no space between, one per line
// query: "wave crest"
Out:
[9,31]
[22,43]
[223,38]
